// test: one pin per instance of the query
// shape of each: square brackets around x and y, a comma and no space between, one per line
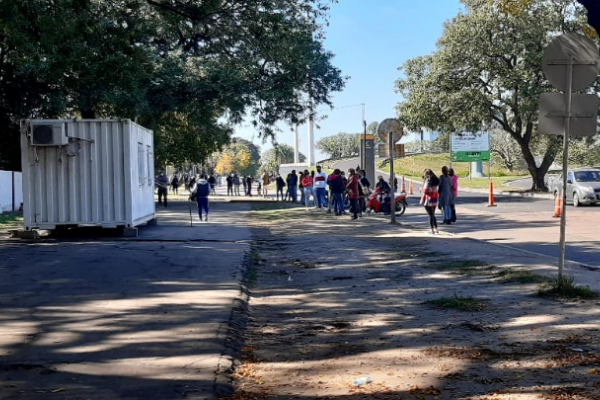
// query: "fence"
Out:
[11,191]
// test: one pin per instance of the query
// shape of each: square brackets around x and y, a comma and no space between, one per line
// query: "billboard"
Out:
[469,146]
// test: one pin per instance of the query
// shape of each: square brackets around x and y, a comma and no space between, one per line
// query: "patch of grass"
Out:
[566,288]
[10,221]
[460,303]
[512,276]
[252,271]
[277,211]
[471,267]
[412,168]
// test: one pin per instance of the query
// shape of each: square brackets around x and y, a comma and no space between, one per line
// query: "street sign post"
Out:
[584,114]
[570,63]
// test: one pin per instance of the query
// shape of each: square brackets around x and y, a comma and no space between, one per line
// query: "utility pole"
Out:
[296,145]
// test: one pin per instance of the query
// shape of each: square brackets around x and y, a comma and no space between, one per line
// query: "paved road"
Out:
[114,319]
[524,223]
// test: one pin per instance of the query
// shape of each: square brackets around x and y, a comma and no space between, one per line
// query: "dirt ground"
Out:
[332,301]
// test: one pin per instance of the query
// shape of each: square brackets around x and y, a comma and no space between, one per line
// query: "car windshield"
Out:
[587,176]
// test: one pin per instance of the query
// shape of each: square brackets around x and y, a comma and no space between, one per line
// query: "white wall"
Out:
[6,194]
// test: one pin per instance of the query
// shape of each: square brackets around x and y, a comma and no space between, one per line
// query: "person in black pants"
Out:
[430,197]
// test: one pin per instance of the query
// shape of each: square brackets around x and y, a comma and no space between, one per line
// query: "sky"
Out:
[370,40]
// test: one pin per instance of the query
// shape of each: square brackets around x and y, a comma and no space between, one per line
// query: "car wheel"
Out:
[576,202]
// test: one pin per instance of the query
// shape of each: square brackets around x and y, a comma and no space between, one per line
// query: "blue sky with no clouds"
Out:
[370,39]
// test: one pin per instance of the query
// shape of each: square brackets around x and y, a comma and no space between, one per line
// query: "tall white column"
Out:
[296,145]
[311,140]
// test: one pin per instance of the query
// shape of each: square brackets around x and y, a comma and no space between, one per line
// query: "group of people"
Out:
[163,183]
[326,192]
[234,182]
[439,192]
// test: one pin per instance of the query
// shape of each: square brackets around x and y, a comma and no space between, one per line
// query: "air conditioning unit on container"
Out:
[48,134]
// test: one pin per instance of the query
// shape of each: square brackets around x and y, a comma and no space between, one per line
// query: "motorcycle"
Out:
[373,204]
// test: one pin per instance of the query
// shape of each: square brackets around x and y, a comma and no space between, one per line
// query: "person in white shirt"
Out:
[319,185]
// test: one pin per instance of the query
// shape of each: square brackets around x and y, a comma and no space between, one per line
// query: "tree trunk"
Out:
[537,174]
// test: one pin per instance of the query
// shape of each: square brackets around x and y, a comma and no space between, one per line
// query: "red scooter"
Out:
[373,204]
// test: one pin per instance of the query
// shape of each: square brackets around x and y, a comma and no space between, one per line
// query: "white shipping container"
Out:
[87,172]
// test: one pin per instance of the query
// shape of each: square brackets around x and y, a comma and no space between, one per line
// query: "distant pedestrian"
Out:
[353,194]
[337,188]
[245,183]
[212,181]
[307,183]
[249,181]
[445,190]
[162,183]
[175,184]
[292,182]
[364,181]
[266,179]
[280,184]
[201,192]
[319,185]
[229,181]
[301,186]
[236,185]
[429,199]
[258,187]
[454,178]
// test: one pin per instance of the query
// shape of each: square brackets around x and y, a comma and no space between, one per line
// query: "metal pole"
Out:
[450,151]
[363,161]
[296,145]
[392,194]
[311,137]
[563,214]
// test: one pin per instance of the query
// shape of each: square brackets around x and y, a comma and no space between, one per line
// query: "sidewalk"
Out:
[107,318]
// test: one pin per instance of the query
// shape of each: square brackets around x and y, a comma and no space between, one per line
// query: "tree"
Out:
[372,128]
[188,70]
[340,145]
[279,154]
[225,165]
[506,150]
[487,70]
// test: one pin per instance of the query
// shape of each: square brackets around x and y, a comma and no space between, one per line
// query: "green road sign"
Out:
[467,147]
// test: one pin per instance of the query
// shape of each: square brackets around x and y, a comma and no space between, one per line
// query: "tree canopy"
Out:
[274,157]
[189,69]
[340,145]
[487,72]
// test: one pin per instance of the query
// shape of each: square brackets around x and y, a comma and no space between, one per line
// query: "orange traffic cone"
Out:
[491,195]
[410,187]
[403,188]
[557,206]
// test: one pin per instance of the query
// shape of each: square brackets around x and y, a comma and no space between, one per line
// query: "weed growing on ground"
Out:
[565,287]
[511,276]
[470,267]
[460,303]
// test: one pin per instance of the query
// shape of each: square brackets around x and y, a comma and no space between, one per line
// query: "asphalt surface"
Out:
[523,222]
[106,318]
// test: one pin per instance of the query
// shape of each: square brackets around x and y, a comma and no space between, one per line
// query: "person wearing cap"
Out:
[319,184]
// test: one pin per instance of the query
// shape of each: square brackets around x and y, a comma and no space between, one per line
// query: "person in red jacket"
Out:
[353,193]
[307,184]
